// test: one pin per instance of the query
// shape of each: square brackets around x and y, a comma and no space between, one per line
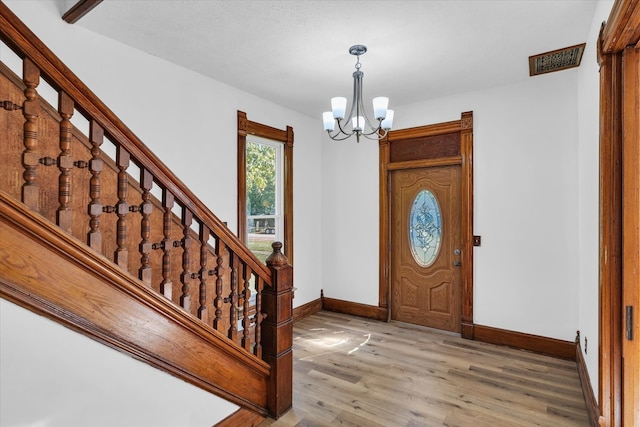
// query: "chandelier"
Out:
[357,123]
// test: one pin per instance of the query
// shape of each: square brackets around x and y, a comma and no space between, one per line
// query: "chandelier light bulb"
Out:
[388,121]
[380,105]
[339,107]
[358,123]
[328,119]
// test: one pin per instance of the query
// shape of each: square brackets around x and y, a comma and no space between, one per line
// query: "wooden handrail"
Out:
[237,266]
[22,40]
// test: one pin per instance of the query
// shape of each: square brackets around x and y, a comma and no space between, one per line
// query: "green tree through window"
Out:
[265,187]
[264,195]
[261,179]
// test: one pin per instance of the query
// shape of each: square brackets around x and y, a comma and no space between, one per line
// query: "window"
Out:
[265,187]
[264,192]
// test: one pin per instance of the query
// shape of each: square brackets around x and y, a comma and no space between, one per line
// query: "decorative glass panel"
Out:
[425,228]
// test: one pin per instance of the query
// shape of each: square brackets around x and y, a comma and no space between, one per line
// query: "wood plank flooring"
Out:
[358,372]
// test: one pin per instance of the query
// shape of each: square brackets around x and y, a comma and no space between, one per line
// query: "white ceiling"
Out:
[295,53]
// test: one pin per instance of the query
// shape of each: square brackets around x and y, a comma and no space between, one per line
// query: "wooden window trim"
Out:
[247,127]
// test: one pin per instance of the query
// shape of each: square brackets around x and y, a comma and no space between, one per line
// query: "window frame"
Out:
[247,127]
[278,215]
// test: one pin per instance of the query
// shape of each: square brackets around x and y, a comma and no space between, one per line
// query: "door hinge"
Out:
[629,322]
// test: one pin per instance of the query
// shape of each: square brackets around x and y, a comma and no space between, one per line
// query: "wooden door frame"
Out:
[619,188]
[464,126]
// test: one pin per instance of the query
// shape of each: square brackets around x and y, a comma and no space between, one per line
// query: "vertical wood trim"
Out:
[383,276]
[609,394]
[288,195]
[466,150]
[631,233]
[619,127]
[242,176]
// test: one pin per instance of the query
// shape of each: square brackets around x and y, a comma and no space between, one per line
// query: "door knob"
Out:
[457,263]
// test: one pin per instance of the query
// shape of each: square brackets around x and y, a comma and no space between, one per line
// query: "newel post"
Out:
[277,332]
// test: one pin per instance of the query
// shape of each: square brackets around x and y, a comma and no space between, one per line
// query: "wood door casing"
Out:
[415,148]
[619,359]
[427,295]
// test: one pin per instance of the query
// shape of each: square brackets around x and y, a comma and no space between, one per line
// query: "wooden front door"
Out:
[426,246]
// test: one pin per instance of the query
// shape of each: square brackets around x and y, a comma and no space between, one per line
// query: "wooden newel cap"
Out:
[277,258]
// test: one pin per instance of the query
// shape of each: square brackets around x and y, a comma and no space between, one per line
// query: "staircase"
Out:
[100,236]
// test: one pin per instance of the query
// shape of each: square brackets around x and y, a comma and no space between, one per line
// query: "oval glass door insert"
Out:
[425,228]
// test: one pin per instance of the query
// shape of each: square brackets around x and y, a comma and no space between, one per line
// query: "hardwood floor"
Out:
[358,372]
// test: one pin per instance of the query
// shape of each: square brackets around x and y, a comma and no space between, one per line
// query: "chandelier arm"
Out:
[335,136]
[378,136]
[342,130]
[339,132]
[373,130]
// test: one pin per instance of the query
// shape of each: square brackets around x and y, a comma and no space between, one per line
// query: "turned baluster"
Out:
[257,318]
[185,276]
[166,286]
[233,299]
[30,111]
[218,324]
[122,208]
[246,296]
[64,215]
[146,182]
[203,313]
[96,136]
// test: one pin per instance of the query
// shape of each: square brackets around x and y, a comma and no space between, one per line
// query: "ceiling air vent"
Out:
[556,60]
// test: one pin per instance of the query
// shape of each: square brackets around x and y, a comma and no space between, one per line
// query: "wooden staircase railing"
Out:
[118,248]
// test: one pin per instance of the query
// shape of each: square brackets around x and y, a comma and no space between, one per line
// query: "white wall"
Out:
[588,155]
[535,175]
[189,121]
[536,203]
[52,376]
[525,190]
